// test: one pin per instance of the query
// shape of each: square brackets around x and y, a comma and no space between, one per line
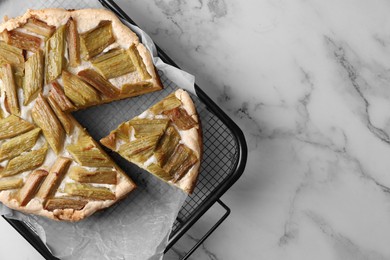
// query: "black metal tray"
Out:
[215,177]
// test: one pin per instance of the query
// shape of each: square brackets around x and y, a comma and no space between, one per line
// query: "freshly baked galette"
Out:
[52,62]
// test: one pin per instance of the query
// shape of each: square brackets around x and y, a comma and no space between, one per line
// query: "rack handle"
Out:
[211,230]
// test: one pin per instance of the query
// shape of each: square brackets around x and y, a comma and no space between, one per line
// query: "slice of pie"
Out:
[54,61]
[165,140]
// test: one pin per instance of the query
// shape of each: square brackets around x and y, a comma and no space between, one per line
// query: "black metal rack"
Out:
[214,179]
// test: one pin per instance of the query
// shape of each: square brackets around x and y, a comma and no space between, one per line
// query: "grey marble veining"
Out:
[308,82]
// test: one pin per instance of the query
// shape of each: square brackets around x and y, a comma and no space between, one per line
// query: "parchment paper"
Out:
[137,227]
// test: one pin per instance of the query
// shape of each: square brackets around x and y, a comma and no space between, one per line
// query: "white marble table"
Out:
[309,83]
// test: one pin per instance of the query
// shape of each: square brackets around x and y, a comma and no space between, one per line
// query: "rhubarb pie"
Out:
[53,62]
[165,140]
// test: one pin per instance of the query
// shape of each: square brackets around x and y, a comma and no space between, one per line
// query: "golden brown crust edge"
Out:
[194,140]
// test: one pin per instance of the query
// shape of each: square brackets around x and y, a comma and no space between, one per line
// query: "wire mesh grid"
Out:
[13,8]
[220,155]
[66,4]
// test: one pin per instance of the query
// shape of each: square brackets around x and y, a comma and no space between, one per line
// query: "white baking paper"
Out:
[137,227]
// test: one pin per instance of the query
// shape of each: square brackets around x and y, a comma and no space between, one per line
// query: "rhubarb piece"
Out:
[30,188]
[138,62]
[142,156]
[14,56]
[72,38]
[87,153]
[166,146]
[99,83]
[65,119]
[59,96]
[10,184]
[54,57]
[25,162]
[54,178]
[137,88]
[22,40]
[7,77]
[82,175]
[180,118]
[159,172]
[113,63]
[128,150]
[12,126]
[51,127]
[19,144]
[97,39]
[39,27]
[109,141]
[168,103]
[78,91]
[91,158]
[147,127]
[180,162]
[33,80]
[89,191]
[123,132]
[65,203]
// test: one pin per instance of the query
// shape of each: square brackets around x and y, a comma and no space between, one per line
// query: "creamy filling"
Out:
[25,111]
[132,134]
[146,114]
[103,185]
[152,159]
[3,163]
[83,65]
[23,30]
[60,192]
[25,175]
[131,77]
[2,99]
[111,46]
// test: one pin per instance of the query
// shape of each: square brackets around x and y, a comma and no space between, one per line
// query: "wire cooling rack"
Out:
[225,150]
[220,153]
